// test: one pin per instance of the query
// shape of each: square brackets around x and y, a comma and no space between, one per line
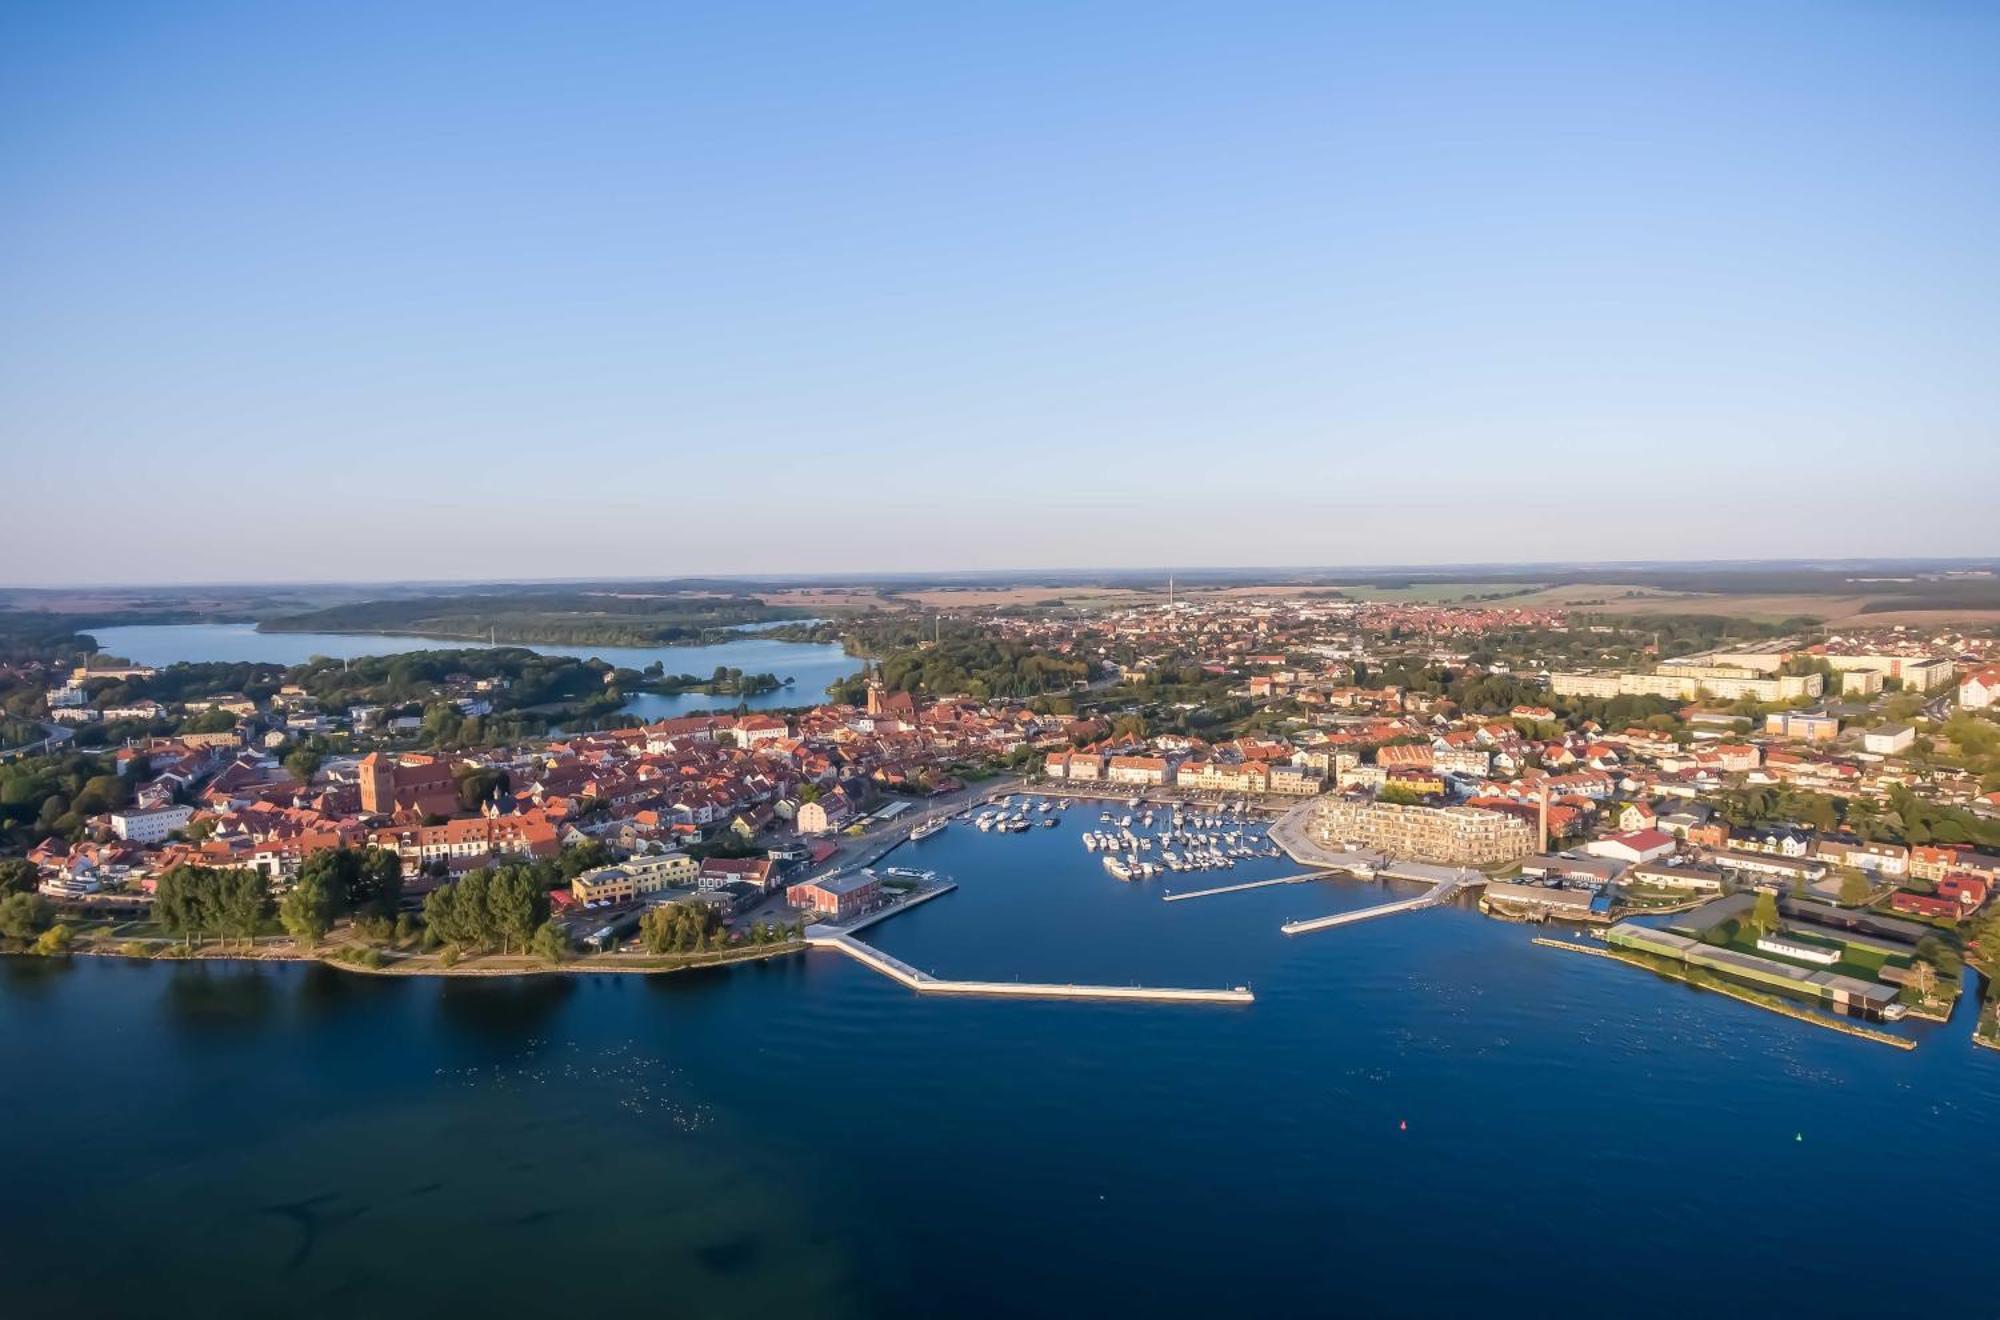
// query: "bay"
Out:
[1424,1114]
[811,666]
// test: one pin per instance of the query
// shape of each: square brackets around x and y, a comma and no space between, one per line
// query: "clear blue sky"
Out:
[428,290]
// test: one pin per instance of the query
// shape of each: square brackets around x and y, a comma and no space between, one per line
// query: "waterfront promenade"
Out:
[1290,834]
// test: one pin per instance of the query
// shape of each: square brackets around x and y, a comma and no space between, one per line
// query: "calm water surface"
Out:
[1581,1138]
[810,665]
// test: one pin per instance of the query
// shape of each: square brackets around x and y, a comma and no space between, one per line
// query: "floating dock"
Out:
[924,983]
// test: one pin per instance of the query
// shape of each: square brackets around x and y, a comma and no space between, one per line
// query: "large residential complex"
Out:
[1464,836]
[1680,681]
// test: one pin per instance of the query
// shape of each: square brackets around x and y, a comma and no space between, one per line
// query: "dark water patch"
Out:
[731,1257]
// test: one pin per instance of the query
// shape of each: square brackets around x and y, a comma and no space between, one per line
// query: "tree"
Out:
[678,927]
[1854,889]
[191,899]
[18,876]
[363,882]
[303,764]
[486,908]
[1764,913]
[24,916]
[177,902]
[518,906]
[379,885]
[551,942]
[54,942]
[243,902]
[308,911]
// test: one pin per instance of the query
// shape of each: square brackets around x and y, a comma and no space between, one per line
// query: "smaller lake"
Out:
[810,665]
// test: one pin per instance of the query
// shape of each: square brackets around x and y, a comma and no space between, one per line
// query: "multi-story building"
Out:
[635,877]
[1876,858]
[1475,762]
[836,897]
[1295,781]
[1140,770]
[1074,765]
[1224,777]
[1464,836]
[827,813]
[150,826]
[464,844]
[1684,681]
[1980,689]
[1810,725]
[1889,740]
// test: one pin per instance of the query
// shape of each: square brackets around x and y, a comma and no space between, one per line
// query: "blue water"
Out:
[804,1134]
[812,666]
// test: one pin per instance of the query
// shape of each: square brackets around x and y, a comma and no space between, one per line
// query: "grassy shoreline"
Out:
[429,964]
[1741,994]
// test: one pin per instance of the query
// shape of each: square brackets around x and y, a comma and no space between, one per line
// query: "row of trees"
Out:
[229,902]
[678,927]
[505,908]
[337,882]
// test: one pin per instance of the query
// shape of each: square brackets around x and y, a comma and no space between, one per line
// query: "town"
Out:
[1792,810]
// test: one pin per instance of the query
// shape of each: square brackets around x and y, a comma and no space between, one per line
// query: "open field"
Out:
[1834,610]
[825,598]
[982,598]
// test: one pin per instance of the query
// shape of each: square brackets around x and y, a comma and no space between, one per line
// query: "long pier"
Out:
[1237,889]
[821,937]
[1438,893]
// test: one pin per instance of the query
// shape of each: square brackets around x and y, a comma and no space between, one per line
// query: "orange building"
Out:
[407,786]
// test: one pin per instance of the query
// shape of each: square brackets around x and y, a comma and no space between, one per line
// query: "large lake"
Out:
[810,665]
[804,1137]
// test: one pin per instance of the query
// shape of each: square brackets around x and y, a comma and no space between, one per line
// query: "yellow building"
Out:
[630,880]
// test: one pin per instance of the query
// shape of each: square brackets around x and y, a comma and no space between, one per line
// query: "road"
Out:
[57,735]
[868,847]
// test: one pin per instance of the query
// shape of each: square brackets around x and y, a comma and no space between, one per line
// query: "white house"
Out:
[1980,689]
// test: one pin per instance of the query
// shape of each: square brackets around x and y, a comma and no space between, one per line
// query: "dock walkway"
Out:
[823,937]
[1237,889]
[1438,893]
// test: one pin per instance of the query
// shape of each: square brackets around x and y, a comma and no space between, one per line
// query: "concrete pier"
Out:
[821,937]
[1237,889]
[1439,893]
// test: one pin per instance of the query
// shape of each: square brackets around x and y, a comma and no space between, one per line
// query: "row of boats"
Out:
[1144,841]
[1201,839]
[1011,819]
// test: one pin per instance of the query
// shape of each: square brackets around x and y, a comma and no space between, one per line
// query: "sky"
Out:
[360,291]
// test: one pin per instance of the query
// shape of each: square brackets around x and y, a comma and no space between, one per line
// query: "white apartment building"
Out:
[150,826]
